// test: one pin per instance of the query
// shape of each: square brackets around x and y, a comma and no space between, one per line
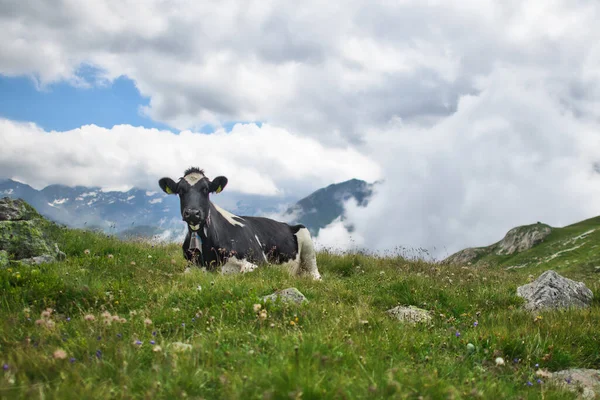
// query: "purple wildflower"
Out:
[475,324]
[119,335]
[537,365]
[529,383]
[98,354]
[154,333]
[5,367]
[138,342]
[73,359]
[152,342]
[568,380]
[539,381]
[457,334]
[68,319]
[99,337]
[193,319]
[183,324]
[516,360]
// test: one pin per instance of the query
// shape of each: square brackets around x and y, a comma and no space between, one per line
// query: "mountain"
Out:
[141,213]
[325,205]
[539,247]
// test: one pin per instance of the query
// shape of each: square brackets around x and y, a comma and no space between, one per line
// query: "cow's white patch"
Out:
[228,216]
[237,266]
[193,178]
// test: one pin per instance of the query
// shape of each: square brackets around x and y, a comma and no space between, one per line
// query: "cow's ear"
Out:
[218,184]
[168,185]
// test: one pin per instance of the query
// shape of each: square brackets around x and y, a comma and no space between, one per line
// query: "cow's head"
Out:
[193,190]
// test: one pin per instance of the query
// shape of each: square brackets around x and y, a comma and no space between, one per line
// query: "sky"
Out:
[476,115]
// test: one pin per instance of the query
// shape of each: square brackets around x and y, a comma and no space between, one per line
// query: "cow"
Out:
[217,238]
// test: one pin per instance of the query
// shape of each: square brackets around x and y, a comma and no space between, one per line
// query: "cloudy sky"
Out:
[479,115]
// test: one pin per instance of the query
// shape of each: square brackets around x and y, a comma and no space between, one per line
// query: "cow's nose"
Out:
[191,215]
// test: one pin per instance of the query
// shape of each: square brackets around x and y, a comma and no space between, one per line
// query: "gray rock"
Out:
[465,256]
[553,291]
[25,234]
[586,382]
[522,238]
[3,259]
[410,314]
[289,295]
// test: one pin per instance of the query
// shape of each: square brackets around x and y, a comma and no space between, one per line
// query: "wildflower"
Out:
[86,251]
[475,324]
[154,333]
[148,321]
[529,383]
[26,310]
[45,314]
[107,322]
[457,334]
[98,354]
[72,360]
[68,319]
[176,309]
[183,324]
[50,324]
[272,325]
[132,263]
[40,322]
[516,360]
[132,313]
[256,307]
[157,349]
[60,354]
[292,323]
[110,256]
[137,342]
[537,365]
[149,256]
[89,317]
[199,288]
[122,320]
[173,261]
[119,335]
[152,342]
[5,367]
[263,315]
[116,318]
[499,361]
[106,314]
[180,347]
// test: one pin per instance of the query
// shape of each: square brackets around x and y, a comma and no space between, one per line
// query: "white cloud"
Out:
[512,155]
[262,160]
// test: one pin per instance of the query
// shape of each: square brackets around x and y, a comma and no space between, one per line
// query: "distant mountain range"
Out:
[141,213]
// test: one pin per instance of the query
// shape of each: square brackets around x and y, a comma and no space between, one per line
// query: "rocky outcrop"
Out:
[584,382]
[24,234]
[553,291]
[522,238]
[410,314]
[289,295]
[466,256]
[515,241]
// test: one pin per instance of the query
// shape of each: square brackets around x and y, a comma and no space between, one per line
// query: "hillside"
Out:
[574,248]
[123,320]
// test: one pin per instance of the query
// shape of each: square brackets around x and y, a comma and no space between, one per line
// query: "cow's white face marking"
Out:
[193,178]
[228,216]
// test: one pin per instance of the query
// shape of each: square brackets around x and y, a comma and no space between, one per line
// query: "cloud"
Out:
[512,155]
[331,71]
[264,160]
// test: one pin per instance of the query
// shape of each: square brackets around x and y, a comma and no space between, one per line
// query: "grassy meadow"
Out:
[122,320]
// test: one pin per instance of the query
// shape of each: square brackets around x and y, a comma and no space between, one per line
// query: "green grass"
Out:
[341,345]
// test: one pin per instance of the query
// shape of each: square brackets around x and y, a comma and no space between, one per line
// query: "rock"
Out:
[553,291]
[289,295]
[3,259]
[410,314]
[16,210]
[586,382]
[522,238]
[24,234]
[465,256]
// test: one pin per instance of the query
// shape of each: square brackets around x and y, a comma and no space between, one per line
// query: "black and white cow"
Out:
[216,238]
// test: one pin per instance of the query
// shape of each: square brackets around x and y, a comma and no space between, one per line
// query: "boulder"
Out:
[585,382]
[522,238]
[553,291]
[24,234]
[289,295]
[410,314]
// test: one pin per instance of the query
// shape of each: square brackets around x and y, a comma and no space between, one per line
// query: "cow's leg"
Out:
[235,266]
[307,255]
